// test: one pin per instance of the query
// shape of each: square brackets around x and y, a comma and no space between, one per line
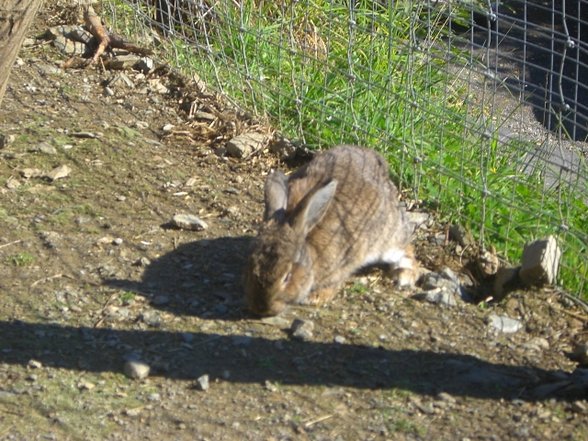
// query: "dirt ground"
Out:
[92,275]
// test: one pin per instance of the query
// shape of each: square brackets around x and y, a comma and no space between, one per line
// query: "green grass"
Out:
[21,259]
[323,74]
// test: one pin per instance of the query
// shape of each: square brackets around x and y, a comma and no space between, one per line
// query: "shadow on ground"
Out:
[256,360]
[201,278]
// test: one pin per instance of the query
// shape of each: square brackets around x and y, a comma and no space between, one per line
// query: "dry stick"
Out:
[10,243]
[46,279]
[317,420]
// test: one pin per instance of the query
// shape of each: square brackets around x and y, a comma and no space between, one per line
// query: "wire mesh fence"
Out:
[480,106]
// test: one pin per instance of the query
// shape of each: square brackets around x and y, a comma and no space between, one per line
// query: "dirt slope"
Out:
[92,274]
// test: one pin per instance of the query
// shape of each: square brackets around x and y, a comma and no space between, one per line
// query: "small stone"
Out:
[6,140]
[133,413]
[143,261]
[86,385]
[268,385]
[203,382]
[45,147]
[60,172]
[504,324]
[29,173]
[302,329]
[579,406]
[34,364]
[145,65]
[540,262]
[154,397]
[118,241]
[244,145]
[151,318]
[108,91]
[189,222]
[438,296]
[277,321]
[85,135]
[136,369]
[12,183]
[168,127]
[537,344]
[339,339]
[444,396]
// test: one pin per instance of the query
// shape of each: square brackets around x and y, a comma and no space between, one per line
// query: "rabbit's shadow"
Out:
[200,278]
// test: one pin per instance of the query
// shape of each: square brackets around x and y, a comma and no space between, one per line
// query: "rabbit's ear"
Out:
[313,207]
[276,195]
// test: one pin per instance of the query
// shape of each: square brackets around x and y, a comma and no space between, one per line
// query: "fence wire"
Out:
[480,106]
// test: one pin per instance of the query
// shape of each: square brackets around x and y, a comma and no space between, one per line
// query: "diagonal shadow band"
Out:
[287,361]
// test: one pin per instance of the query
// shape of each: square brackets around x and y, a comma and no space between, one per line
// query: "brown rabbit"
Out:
[337,214]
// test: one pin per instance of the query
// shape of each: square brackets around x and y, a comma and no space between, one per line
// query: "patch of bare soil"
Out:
[92,275]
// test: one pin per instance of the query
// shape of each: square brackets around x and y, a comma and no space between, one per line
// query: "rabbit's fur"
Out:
[337,214]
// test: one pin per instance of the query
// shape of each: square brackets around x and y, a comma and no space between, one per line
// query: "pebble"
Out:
[537,344]
[117,241]
[339,339]
[151,318]
[6,140]
[438,296]
[86,385]
[302,329]
[504,324]
[136,369]
[34,364]
[203,382]
[63,171]
[189,222]
[277,321]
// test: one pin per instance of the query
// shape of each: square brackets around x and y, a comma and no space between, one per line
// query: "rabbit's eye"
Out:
[287,277]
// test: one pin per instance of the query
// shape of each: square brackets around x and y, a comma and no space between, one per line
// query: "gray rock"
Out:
[203,382]
[276,321]
[339,339]
[504,324]
[540,262]
[45,147]
[189,222]
[136,369]
[145,65]
[6,140]
[151,318]
[63,171]
[431,281]
[245,144]
[439,296]
[302,329]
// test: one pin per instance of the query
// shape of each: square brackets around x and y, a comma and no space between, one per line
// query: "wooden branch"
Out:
[96,28]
